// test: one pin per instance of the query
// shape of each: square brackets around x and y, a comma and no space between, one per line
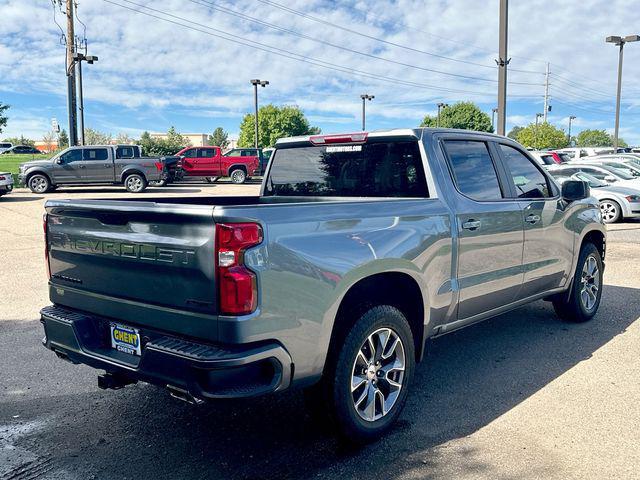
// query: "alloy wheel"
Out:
[38,184]
[609,212]
[378,374]
[590,283]
[134,183]
[238,176]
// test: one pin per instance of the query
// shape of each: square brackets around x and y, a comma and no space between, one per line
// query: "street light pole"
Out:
[263,83]
[79,58]
[441,106]
[364,98]
[572,117]
[502,62]
[619,41]
[538,115]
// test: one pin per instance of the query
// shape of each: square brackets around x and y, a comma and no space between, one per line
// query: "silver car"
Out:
[6,183]
[616,203]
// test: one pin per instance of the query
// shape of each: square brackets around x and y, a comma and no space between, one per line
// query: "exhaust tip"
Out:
[184,395]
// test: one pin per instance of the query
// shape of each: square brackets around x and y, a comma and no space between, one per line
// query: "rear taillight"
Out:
[46,245]
[2,177]
[238,292]
[159,166]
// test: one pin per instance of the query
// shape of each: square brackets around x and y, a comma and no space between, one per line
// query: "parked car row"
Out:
[614,179]
[9,148]
[126,165]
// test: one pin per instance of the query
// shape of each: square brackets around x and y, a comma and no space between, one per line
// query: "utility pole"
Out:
[364,98]
[493,118]
[71,78]
[502,62]
[263,83]
[571,118]
[546,93]
[619,41]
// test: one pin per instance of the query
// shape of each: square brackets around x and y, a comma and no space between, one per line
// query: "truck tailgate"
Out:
[139,262]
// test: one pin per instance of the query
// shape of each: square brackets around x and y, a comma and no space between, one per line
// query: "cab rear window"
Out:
[381,169]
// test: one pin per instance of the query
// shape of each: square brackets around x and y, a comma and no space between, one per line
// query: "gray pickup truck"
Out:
[359,249]
[94,165]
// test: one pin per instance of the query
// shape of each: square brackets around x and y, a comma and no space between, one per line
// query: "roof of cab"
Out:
[395,132]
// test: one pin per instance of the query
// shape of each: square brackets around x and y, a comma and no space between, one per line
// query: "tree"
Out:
[21,140]
[170,145]
[124,138]
[50,140]
[275,122]
[219,138]
[95,137]
[541,136]
[3,118]
[597,138]
[513,133]
[464,115]
[63,139]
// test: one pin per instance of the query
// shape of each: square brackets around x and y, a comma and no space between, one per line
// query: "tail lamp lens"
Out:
[237,285]
[46,245]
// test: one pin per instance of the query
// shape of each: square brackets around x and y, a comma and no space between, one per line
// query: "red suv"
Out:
[210,162]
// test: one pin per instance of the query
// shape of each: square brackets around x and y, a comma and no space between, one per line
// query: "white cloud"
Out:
[155,68]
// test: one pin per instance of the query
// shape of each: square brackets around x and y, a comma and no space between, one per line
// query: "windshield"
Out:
[617,172]
[564,158]
[593,181]
[384,169]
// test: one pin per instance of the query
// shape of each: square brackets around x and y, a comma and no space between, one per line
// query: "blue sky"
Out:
[320,55]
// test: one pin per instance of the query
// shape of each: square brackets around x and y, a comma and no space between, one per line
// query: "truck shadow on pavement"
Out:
[468,379]
[19,198]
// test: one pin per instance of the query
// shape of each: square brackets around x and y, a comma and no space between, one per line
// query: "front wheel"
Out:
[39,183]
[610,210]
[135,183]
[238,176]
[365,387]
[584,298]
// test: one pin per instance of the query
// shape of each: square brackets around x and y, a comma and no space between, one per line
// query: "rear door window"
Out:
[125,152]
[206,152]
[473,170]
[95,154]
[191,153]
[529,181]
[375,169]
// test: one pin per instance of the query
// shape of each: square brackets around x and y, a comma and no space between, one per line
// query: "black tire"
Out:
[211,179]
[334,392]
[238,176]
[158,183]
[39,183]
[582,302]
[610,210]
[135,183]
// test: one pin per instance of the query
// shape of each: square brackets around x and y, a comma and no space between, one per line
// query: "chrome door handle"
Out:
[532,218]
[107,165]
[83,166]
[471,225]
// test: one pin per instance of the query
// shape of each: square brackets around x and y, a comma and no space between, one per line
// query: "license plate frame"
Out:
[125,339]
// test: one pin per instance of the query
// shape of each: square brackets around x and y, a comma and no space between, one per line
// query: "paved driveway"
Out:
[521,396]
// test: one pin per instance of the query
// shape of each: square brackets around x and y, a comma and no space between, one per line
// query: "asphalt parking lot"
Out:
[521,396]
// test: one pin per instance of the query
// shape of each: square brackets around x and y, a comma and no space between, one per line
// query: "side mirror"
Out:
[575,190]
[59,161]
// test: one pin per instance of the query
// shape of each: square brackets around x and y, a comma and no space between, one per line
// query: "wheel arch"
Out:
[395,288]
[236,166]
[31,173]
[131,171]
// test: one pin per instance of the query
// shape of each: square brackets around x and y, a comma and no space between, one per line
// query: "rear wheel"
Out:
[39,183]
[135,183]
[364,389]
[157,183]
[584,298]
[610,210]
[238,176]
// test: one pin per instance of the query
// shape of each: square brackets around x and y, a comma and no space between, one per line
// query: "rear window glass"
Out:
[473,170]
[384,169]
[95,154]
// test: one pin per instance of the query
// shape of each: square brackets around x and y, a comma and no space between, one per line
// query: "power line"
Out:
[283,52]
[341,47]
[371,37]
